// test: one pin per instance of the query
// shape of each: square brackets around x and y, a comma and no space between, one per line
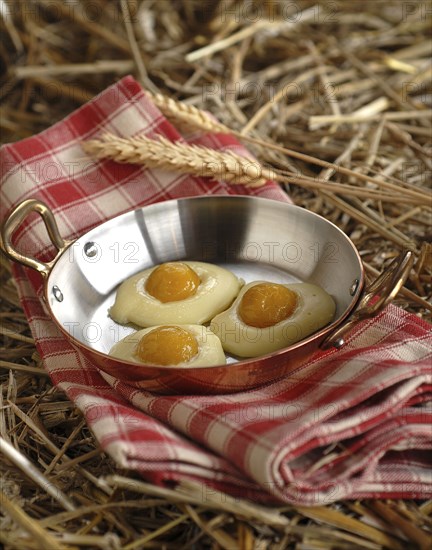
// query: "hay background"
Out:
[295,80]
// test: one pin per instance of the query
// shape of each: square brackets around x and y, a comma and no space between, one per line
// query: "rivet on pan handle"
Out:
[12,223]
[375,297]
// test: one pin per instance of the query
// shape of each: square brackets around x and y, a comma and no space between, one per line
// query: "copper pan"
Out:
[255,238]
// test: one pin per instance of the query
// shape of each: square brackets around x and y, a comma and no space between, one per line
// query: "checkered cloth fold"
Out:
[352,423]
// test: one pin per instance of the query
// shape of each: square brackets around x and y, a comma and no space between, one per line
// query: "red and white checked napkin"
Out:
[352,423]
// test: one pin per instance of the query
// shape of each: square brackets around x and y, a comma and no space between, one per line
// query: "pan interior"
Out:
[257,239]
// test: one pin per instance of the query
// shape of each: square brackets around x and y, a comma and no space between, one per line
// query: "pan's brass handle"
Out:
[12,223]
[375,297]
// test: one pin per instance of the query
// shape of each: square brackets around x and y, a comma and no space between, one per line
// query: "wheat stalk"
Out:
[204,162]
[180,158]
[192,117]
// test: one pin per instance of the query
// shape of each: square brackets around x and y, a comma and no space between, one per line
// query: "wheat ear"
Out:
[194,118]
[187,116]
[180,157]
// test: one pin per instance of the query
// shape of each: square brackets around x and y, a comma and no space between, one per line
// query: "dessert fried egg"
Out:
[175,293]
[171,345]
[268,316]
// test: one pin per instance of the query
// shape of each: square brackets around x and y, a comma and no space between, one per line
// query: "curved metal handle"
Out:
[375,297]
[15,219]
